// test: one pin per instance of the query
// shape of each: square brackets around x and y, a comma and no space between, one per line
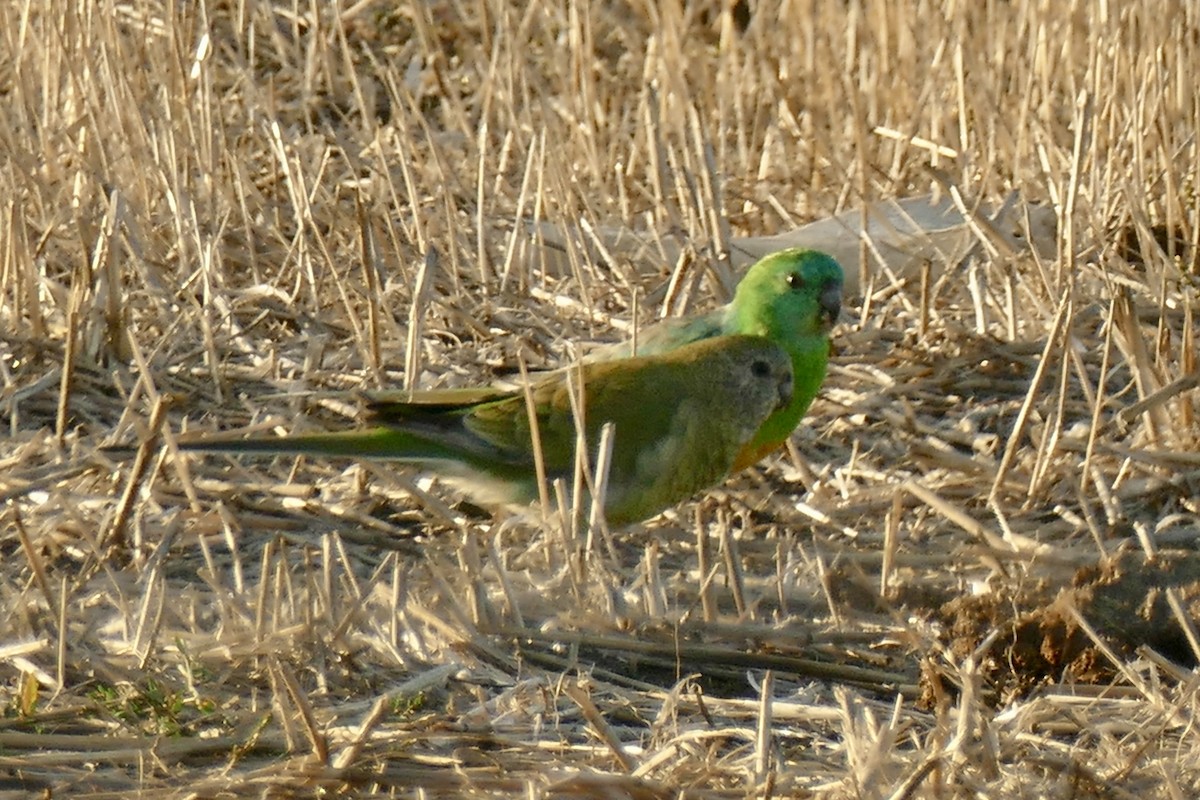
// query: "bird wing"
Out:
[665,335]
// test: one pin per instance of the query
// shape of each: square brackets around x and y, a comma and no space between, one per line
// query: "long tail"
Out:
[386,443]
[488,480]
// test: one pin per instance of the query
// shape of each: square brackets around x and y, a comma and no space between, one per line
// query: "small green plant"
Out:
[151,706]
[406,705]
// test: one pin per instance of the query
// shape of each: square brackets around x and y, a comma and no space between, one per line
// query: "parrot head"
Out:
[788,295]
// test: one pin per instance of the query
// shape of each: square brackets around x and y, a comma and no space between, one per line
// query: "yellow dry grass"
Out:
[216,213]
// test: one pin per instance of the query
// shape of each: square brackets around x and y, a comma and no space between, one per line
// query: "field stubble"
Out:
[972,573]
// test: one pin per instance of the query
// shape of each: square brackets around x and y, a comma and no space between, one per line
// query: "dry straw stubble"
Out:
[211,208]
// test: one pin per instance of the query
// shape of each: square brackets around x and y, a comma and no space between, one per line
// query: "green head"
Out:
[792,297]
[788,296]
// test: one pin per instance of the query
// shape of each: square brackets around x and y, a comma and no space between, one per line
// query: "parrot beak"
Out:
[785,391]
[831,302]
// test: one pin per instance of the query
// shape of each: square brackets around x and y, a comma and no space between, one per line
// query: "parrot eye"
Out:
[760,369]
[796,281]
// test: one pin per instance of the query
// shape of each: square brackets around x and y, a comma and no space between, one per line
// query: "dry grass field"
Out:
[972,573]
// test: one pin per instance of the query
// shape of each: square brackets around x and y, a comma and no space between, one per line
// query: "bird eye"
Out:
[796,281]
[760,369]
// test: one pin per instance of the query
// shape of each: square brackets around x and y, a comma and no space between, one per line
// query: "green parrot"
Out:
[791,297]
[681,418]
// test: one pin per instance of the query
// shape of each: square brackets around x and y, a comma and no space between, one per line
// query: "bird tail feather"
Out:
[371,443]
